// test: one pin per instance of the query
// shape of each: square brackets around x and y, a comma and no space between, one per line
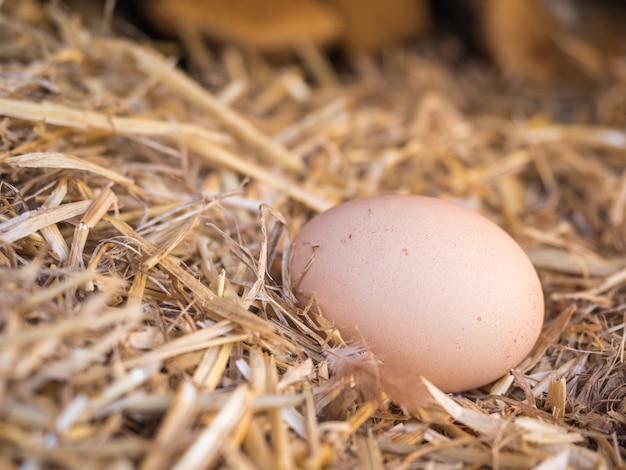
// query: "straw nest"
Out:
[146,314]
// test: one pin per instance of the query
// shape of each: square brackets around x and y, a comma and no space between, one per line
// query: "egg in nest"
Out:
[429,287]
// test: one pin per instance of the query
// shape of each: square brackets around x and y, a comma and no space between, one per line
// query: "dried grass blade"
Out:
[611,281]
[28,223]
[176,422]
[542,433]
[315,118]
[481,422]
[204,452]
[557,396]
[318,455]
[256,445]
[279,433]
[157,403]
[557,259]
[209,371]
[364,413]
[70,162]
[92,216]
[505,166]
[587,135]
[61,115]
[213,335]
[136,291]
[51,233]
[262,262]
[318,63]
[559,461]
[618,205]
[122,385]
[370,456]
[170,244]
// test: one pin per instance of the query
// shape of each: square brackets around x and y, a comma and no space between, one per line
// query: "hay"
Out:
[146,316]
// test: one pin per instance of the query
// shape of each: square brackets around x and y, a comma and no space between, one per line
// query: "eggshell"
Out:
[431,288]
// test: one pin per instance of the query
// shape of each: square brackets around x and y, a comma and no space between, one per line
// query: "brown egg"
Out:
[431,288]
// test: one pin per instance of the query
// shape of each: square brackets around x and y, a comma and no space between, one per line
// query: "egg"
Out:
[430,288]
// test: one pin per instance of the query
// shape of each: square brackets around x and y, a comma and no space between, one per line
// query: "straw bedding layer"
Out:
[146,313]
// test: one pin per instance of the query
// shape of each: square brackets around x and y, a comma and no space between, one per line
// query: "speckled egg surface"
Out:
[430,287]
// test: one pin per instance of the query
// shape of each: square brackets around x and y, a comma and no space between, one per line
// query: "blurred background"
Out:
[538,41]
